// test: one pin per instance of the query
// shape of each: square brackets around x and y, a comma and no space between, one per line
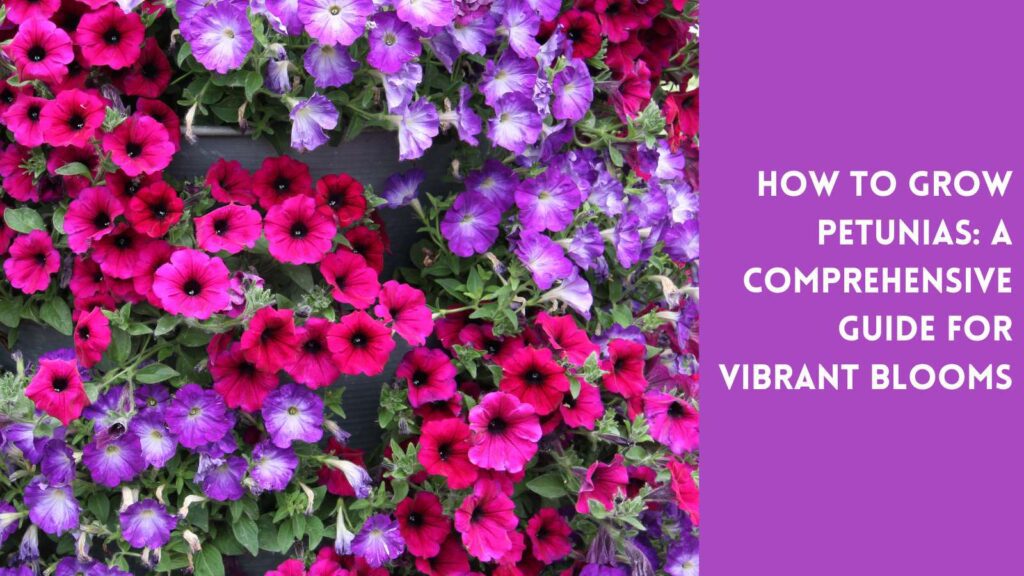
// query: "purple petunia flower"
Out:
[155,440]
[547,201]
[671,165]
[516,123]
[467,121]
[426,14]
[272,466]
[335,21]
[574,292]
[151,398]
[293,412]
[220,448]
[22,435]
[379,541]
[9,526]
[286,12]
[221,479]
[196,416]
[682,560]
[471,225]
[682,241]
[495,182]
[276,78]
[683,202]
[310,117]
[399,88]
[115,461]
[510,74]
[418,123]
[543,257]
[548,9]
[109,408]
[444,48]
[392,43]
[586,245]
[57,462]
[607,193]
[521,23]
[220,36]
[51,507]
[574,91]
[329,65]
[626,238]
[72,566]
[474,36]
[146,524]
[401,189]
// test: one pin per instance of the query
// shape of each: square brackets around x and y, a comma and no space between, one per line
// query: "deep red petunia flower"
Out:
[360,344]
[125,187]
[297,233]
[369,244]
[19,11]
[150,73]
[90,217]
[603,482]
[440,410]
[192,284]
[118,253]
[230,228]
[624,368]
[583,410]
[313,365]
[429,374]
[41,51]
[155,209]
[505,433]
[240,382]
[405,308]
[333,478]
[230,182]
[618,18]
[682,114]
[86,278]
[342,195]
[633,92]
[280,178]
[23,117]
[444,451]
[92,337]
[72,118]
[139,145]
[163,114]
[583,31]
[110,37]
[31,261]
[685,489]
[566,337]
[533,376]
[485,520]
[549,536]
[9,94]
[57,390]
[352,281]
[423,525]
[451,560]
[270,341]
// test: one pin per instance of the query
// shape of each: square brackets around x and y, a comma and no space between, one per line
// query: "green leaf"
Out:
[74,169]
[166,324]
[209,561]
[550,485]
[184,52]
[23,220]
[120,345]
[253,82]
[315,531]
[99,506]
[247,534]
[10,312]
[302,277]
[57,314]
[153,373]
[58,218]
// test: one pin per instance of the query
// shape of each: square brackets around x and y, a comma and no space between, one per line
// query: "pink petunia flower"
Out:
[192,284]
[505,433]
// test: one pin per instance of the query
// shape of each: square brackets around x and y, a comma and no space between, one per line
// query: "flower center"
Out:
[676,410]
[133,149]
[419,378]
[60,384]
[123,242]
[299,230]
[40,259]
[83,333]
[390,39]
[229,33]
[149,71]
[334,10]
[101,220]
[112,36]
[443,451]
[497,426]
[282,184]
[534,377]
[312,346]
[194,411]
[76,122]
[36,53]
[113,449]
[159,210]
[358,340]
[220,226]
[192,287]
[292,411]
[414,519]
[33,113]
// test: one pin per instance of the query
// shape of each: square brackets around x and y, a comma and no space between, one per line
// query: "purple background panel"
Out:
[863,482]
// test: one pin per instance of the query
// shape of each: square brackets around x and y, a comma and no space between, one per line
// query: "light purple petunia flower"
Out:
[521,23]
[425,14]
[418,123]
[151,398]
[474,36]
[277,79]
[516,123]
[221,479]
[555,46]
[399,88]
[543,257]
[682,560]
[683,202]
[470,225]
[392,43]
[444,48]
[548,9]
[220,36]
[379,541]
[7,527]
[272,466]
[671,165]
[467,121]
[547,201]
[114,461]
[494,181]
[57,463]
[329,65]
[626,238]
[51,507]
[510,74]
[335,21]
[293,412]
[196,416]
[682,241]
[155,440]
[187,9]
[146,524]
[574,91]
[574,292]
[22,435]
[287,14]
[109,408]
[586,245]
[607,193]
[220,448]
[310,117]
[401,189]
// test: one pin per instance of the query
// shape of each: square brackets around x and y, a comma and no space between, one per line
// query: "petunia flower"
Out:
[112,462]
[57,463]
[583,410]
[269,342]
[272,466]
[418,123]
[23,119]
[40,51]
[31,261]
[57,390]
[624,368]
[402,188]
[516,123]
[72,118]
[279,178]
[297,233]
[467,121]
[674,422]
[19,11]
[230,182]
[521,23]
[110,37]
[429,374]
[360,344]
[196,416]
[147,524]
[485,520]
[423,525]
[313,365]
[495,182]
[471,225]
[239,381]
[220,35]
[532,375]
[149,74]
[474,35]
[575,292]
[547,201]
[221,479]
[602,483]
[508,75]
[139,145]
[379,541]
[543,257]
[335,21]
[342,195]
[154,209]
[426,14]
[451,559]
[573,90]
[400,87]
[51,507]
[310,117]
[192,284]
[505,433]
[293,412]
[230,229]
[330,65]
[549,534]
[682,241]
[90,216]
[444,451]
[92,336]
[392,43]
[405,308]
[352,281]
[156,442]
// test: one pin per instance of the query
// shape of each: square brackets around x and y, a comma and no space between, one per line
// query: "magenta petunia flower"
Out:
[220,35]
[31,261]
[72,118]
[297,233]
[57,390]
[329,65]
[91,216]
[19,11]
[352,281]
[505,433]
[269,341]
[360,344]
[429,375]
[547,201]
[335,21]
[471,225]
[154,209]
[602,483]
[120,254]
[272,466]
[92,336]
[230,229]
[192,284]
[240,382]
[147,524]
[310,117]
[485,519]
[51,507]
[418,123]
[113,461]
[426,14]
[41,51]
[313,364]
[543,257]
[23,119]
[379,541]
[110,37]
[405,308]
[293,412]
[139,145]
[674,422]
[516,123]
[573,89]
[392,43]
